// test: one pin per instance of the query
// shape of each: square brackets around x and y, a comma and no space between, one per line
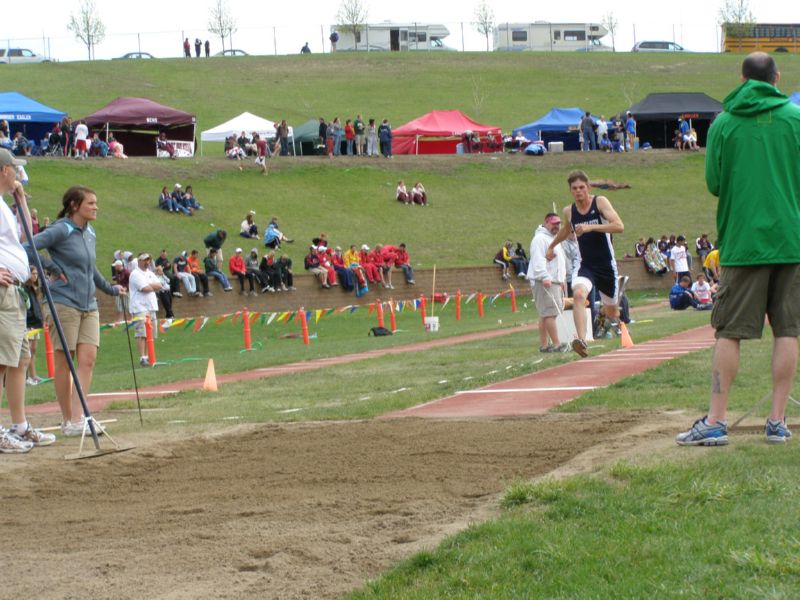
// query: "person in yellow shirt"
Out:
[711,265]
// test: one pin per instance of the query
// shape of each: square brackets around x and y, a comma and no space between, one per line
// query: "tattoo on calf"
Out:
[716,386]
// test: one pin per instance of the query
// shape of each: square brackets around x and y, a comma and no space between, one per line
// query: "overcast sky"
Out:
[41,24]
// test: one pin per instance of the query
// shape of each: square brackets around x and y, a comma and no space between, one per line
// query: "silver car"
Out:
[20,55]
[658,47]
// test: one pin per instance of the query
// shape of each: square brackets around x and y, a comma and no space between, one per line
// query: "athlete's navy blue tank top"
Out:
[596,249]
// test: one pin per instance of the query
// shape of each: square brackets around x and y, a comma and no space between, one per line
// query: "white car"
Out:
[658,47]
[20,55]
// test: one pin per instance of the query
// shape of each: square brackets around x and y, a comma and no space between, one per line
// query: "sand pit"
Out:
[267,511]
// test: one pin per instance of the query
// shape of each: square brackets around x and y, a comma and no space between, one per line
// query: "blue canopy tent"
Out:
[32,118]
[559,125]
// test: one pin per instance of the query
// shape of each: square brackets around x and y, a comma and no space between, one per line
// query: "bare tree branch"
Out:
[484,20]
[221,21]
[352,16]
[736,18]
[610,22]
[87,26]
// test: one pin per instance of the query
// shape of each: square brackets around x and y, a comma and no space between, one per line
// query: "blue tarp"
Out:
[14,107]
[795,97]
[557,120]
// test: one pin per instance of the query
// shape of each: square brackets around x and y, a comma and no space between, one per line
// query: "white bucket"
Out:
[431,323]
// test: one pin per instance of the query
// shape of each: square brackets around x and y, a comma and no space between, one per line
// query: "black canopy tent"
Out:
[657,116]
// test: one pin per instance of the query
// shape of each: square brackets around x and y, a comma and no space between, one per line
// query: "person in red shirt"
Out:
[379,257]
[261,152]
[313,265]
[402,261]
[237,268]
[366,262]
[349,135]
[325,263]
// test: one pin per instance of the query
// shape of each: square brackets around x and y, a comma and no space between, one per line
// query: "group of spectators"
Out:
[356,137]
[616,135]
[417,195]
[671,254]
[512,259]
[239,148]
[66,138]
[179,200]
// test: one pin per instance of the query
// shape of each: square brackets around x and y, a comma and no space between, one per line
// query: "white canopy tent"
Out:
[246,122]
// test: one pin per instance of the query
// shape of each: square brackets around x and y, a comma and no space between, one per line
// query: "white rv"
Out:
[551,37]
[395,37]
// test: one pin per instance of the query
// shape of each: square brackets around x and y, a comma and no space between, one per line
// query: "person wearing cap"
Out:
[237,269]
[248,228]
[142,286]
[345,275]
[548,279]
[181,268]
[313,266]
[325,262]
[679,260]
[211,265]
[179,200]
[367,262]
[14,349]
[71,260]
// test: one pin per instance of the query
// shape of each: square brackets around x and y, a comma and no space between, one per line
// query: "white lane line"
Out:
[623,358]
[141,393]
[524,390]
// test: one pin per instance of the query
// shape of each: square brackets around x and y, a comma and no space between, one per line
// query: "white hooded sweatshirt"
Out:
[541,269]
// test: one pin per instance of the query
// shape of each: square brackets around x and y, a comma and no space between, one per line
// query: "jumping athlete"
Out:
[593,220]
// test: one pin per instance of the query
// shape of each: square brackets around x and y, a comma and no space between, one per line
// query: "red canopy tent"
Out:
[137,122]
[439,132]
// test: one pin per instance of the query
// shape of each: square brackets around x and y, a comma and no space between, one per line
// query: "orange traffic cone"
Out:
[625,337]
[210,384]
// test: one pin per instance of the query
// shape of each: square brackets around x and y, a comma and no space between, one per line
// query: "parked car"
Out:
[234,52]
[135,56]
[658,47]
[21,55]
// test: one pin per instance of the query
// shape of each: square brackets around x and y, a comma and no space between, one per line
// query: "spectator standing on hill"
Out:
[587,129]
[602,127]
[359,128]
[143,285]
[349,136]
[385,136]
[679,260]
[594,221]
[338,134]
[187,48]
[197,47]
[81,140]
[372,138]
[70,244]
[630,130]
[208,49]
[323,129]
[334,39]
[549,282]
[305,49]
[329,138]
[753,160]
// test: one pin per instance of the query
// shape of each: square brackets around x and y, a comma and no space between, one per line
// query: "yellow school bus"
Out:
[766,37]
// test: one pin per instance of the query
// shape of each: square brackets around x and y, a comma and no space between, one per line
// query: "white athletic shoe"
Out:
[11,444]
[35,436]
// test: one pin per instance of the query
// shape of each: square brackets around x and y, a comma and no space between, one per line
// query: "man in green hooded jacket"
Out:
[753,167]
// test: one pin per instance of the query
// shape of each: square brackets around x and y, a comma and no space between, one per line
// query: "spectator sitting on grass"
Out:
[313,266]
[238,269]
[248,228]
[232,149]
[166,201]
[214,241]
[211,264]
[419,195]
[200,278]
[702,291]
[503,258]
[681,297]
[190,200]
[400,193]
[274,236]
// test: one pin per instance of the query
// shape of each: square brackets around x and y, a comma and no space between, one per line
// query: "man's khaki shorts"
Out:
[79,327]
[747,294]
[549,301]
[12,326]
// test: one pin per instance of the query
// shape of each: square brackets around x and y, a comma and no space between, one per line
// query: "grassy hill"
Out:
[476,201]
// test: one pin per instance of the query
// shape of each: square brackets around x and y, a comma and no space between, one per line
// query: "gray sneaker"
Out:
[11,444]
[70,429]
[562,348]
[703,433]
[777,432]
[545,349]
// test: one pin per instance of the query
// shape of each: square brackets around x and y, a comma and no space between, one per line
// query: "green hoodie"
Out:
[753,166]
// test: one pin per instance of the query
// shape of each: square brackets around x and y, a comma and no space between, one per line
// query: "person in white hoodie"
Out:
[549,282]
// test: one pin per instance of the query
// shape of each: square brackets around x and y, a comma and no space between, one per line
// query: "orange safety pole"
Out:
[380,313]
[304,325]
[48,353]
[480,304]
[458,305]
[392,320]
[422,308]
[151,346]
[248,344]
[513,299]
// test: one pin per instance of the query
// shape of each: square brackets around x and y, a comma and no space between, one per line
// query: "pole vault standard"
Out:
[90,421]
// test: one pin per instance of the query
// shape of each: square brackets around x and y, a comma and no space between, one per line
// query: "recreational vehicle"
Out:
[554,37]
[396,37]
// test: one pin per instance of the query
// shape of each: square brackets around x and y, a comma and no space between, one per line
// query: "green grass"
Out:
[718,527]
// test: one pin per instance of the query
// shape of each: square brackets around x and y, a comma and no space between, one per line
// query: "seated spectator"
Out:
[182,271]
[365,261]
[690,139]
[312,265]
[287,276]
[98,146]
[165,145]
[21,145]
[605,144]
[345,275]
[201,279]
[165,201]
[189,199]
[702,290]
[400,194]
[325,262]
[399,257]
[211,263]
[664,246]
[640,247]
[681,297]
[5,141]
[248,228]
[519,260]
[270,272]
[419,195]
[214,241]
[166,267]
[703,246]
[351,261]
[520,141]
[378,258]
[247,144]
[232,149]
[164,294]
[238,269]
[116,149]
[251,264]
[503,258]
[274,236]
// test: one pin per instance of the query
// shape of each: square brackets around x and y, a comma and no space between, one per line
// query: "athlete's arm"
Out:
[614,224]
[563,233]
